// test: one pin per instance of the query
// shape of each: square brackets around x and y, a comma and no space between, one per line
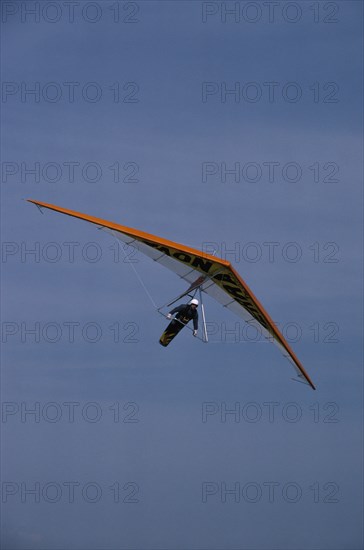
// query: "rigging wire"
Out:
[137,275]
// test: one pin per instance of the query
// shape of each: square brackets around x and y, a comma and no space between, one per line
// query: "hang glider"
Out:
[210,274]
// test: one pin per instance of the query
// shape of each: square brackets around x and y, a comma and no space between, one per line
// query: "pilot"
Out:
[186,312]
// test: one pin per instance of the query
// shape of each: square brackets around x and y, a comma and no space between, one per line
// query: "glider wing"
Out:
[215,276]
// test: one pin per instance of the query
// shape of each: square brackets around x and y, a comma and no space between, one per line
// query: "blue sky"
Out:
[120,411]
